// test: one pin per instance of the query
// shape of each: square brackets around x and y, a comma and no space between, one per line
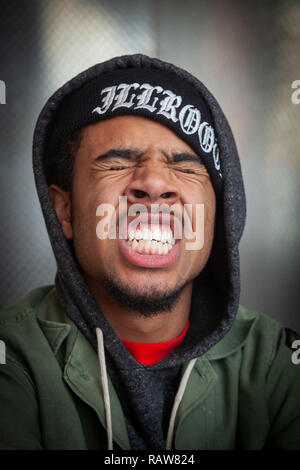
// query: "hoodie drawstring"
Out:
[104,381]
[177,401]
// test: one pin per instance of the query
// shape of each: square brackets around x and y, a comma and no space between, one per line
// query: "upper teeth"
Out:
[164,236]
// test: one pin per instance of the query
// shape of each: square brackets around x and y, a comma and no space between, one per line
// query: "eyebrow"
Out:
[132,154]
[185,157]
[126,154]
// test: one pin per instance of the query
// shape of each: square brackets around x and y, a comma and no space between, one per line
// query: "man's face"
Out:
[149,164]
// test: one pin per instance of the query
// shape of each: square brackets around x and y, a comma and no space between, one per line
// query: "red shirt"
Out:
[150,353]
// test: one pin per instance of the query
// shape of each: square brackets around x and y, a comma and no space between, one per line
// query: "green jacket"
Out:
[244,393]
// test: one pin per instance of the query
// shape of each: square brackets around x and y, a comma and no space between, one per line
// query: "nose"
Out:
[152,187]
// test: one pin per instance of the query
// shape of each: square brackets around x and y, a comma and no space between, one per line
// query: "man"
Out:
[141,343]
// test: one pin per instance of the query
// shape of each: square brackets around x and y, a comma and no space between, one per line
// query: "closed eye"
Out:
[118,168]
[185,171]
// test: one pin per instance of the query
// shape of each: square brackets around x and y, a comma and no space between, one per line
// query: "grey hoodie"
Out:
[147,392]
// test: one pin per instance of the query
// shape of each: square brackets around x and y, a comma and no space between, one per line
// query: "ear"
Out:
[62,204]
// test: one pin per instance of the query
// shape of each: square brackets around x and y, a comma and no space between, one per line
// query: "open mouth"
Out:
[149,244]
[155,239]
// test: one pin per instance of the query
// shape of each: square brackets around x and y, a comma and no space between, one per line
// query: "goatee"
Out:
[147,303]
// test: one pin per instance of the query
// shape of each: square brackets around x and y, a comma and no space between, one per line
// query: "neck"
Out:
[130,325]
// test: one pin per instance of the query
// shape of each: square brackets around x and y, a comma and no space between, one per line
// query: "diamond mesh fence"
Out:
[247,53]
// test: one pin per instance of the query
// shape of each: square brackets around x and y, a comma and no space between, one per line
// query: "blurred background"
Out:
[247,54]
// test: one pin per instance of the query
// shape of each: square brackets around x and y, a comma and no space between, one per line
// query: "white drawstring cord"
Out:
[104,381]
[101,356]
[178,398]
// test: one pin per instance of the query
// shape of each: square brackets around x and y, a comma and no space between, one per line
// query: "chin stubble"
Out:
[147,303]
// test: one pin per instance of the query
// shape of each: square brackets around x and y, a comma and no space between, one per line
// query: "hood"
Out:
[216,290]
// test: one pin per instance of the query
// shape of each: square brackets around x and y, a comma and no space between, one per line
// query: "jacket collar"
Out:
[81,366]
[57,326]
[236,336]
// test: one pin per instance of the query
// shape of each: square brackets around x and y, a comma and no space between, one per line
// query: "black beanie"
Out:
[155,94]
